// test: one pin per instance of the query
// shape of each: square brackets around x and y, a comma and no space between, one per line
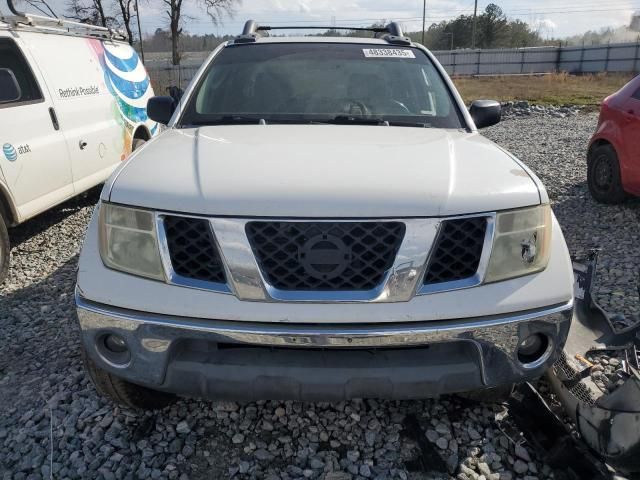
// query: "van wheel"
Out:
[603,175]
[137,143]
[123,392]
[5,248]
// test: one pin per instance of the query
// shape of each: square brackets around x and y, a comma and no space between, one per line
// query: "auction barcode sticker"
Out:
[388,53]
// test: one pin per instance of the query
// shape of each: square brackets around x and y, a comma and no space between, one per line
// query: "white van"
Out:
[72,107]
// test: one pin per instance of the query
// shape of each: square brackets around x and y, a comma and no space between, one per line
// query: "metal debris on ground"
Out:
[601,395]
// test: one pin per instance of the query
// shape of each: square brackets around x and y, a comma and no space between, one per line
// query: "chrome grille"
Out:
[329,256]
[457,251]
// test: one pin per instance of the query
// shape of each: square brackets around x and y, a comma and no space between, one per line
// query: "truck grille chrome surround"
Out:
[316,273]
[458,249]
[321,256]
[189,252]
[459,256]
[192,250]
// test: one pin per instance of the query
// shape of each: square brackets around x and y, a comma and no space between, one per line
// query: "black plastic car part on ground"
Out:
[608,422]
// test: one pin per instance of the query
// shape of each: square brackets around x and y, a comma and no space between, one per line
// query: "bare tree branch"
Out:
[90,11]
[214,8]
[217,8]
[126,7]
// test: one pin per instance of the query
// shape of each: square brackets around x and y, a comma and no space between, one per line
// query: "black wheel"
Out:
[123,392]
[603,175]
[137,143]
[4,249]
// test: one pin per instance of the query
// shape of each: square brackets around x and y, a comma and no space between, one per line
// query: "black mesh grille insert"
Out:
[325,255]
[575,386]
[192,249]
[458,249]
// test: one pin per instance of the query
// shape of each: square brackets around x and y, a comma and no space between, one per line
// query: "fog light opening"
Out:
[115,344]
[114,350]
[534,350]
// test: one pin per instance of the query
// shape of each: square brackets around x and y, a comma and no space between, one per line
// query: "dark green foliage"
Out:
[494,30]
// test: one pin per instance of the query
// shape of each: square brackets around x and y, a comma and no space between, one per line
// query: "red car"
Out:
[614,151]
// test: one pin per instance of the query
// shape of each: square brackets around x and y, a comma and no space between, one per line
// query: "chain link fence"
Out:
[619,57]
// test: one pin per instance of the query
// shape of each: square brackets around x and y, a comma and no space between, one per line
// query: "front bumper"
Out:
[248,361]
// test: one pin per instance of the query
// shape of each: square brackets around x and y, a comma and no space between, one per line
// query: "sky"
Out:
[553,18]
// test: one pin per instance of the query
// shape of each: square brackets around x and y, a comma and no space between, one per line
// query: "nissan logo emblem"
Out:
[324,257]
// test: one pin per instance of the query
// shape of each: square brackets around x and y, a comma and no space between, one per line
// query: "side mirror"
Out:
[160,109]
[9,88]
[485,112]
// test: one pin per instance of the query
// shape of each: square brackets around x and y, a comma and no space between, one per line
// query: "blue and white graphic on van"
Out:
[127,81]
[10,152]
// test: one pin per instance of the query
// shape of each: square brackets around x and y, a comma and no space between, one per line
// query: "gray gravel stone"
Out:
[442,443]
[520,467]
[183,427]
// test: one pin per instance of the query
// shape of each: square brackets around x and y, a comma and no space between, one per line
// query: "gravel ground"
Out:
[53,425]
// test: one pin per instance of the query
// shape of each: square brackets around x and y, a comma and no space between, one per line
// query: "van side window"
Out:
[636,94]
[12,61]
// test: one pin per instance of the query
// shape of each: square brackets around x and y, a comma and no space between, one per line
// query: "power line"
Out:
[568,9]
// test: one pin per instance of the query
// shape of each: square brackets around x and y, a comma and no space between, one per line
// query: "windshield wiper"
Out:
[359,120]
[337,120]
[230,120]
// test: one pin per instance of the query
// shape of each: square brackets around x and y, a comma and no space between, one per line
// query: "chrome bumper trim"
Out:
[94,316]
[151,337]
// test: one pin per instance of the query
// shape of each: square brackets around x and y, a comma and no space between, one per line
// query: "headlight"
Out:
[521,244]
[128,241]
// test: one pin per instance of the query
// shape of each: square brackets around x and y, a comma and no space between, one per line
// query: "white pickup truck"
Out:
[73,101]
[321,220]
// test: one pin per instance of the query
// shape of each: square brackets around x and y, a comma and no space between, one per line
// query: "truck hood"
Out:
[323,171]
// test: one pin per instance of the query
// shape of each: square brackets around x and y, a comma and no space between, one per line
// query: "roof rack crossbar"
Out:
[393,31]
[263,28]
[252,27]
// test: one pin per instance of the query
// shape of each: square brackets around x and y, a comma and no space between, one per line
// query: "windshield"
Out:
[322,82]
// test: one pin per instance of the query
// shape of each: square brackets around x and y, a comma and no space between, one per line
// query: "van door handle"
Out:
[54,118]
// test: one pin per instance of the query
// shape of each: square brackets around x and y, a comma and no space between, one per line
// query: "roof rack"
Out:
[393,31]
[57,24]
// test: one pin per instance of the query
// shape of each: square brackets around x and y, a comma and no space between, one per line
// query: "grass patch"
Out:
[552,89]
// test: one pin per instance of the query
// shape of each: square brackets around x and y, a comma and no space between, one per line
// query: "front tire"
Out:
[5,248]
[603,175]
[137,143]
[123,392]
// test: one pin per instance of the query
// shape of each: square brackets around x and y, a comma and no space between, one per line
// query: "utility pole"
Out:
[473,29]
[424,18]
[139,32]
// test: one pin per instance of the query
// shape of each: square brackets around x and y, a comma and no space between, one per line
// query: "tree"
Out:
[522,35]
[214,8]
[493,27]
[126,7]
[90,11]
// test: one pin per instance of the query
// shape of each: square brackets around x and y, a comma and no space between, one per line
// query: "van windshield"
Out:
[324,83]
